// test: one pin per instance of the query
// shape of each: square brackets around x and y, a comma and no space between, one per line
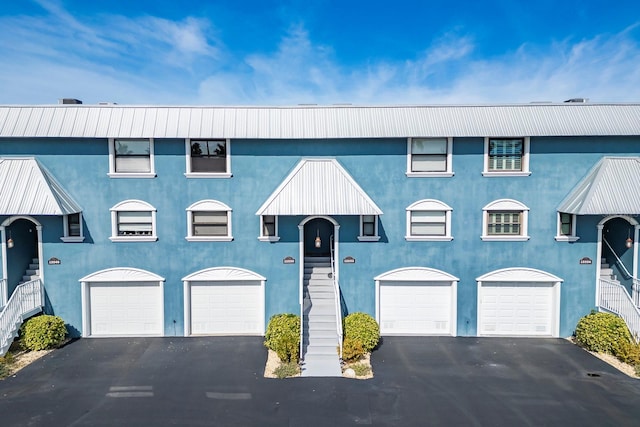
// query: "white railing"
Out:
[27,299]
[635,290]
[338,306]
[301,313]
[3,289]
[615,298]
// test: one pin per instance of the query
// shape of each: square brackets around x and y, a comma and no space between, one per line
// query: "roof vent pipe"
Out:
[69,101]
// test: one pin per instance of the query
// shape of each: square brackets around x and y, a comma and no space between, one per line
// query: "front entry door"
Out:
[314,229]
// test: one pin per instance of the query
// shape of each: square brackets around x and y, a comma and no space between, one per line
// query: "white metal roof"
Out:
[611,187]
[319,187]
[318,122]
[27,188]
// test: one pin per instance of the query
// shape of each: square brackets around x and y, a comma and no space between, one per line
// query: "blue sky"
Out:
[322,52]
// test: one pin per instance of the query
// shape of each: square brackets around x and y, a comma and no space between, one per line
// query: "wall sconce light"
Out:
[10,241]
[318,241]
[629,242]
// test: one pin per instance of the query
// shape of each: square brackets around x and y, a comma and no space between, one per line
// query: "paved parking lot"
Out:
[418,381]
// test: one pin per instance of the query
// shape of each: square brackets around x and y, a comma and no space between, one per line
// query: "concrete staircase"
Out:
[32,272]
[320,340]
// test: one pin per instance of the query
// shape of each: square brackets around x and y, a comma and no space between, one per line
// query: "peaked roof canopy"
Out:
[319,187]
[27,188]
[611,187]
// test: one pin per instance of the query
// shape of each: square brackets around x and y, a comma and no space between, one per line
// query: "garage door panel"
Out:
[415,308]
[524,309]
[125,308]
[226,307]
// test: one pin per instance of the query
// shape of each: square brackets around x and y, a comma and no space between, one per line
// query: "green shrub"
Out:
[628,352]
[352,349]
[364,328]
[603,332]
[43,332]
[361,369]
[283,336]
[285,370]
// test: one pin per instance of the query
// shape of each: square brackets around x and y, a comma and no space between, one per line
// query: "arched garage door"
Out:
[416,301]
[519,302]
[122,302]
[224,301]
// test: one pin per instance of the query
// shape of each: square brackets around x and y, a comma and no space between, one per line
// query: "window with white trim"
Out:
[368,228]
[209,220]
[506,156]
[429,157]
[505,220]
[133,221]
[566,231]
[72,228]
[269,228]
[429,220]
[208,158]
[131,158]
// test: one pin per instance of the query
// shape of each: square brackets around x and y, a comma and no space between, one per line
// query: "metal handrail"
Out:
[618,260]
[26,299]
[336,290]
[615,299]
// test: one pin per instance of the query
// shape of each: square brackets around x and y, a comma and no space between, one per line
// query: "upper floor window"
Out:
[73,232]
[429,157]
[429,220]
[209,220]
[208,158]
[133,221]
[505,219]
[269,228]
[506,156]
[131,158]
[368,228]
[566,228]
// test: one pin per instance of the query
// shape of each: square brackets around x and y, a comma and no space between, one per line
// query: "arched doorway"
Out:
[318,237]
[618,249]
[22,249]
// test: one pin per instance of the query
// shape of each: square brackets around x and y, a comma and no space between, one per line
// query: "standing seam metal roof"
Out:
[318,122]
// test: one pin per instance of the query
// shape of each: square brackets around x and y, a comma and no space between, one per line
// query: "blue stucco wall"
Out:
[378,165]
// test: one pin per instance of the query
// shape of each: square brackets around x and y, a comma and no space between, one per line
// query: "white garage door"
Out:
[233,307]
[516,309]
[416,308]
[117,309]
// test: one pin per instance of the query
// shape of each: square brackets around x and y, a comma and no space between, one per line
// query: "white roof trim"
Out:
[319,186]
[223,274]
[610,188]
[505,204]
[208,205]
[518,274]
[28,188]
[122,274]
[416,274]
[133,205]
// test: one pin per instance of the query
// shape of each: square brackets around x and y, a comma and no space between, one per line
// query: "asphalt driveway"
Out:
[418,381]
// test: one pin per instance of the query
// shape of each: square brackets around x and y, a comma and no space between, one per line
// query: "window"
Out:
[506,157]
[429,157]
[209,220]
[131,158]
[269,228]
[505,219]
[566,228]
[72,224]
[428,220]
[133,221]
[368,228]
[207,158]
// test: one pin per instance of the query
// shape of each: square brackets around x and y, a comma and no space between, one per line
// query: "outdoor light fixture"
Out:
[628,243]
[318,241]
[10,241]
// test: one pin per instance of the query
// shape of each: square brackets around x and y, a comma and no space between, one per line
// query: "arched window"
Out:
[428,220]
[133,221]
[209,220]
[505,219]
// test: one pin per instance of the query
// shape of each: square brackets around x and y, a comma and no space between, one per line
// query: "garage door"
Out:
[233,307]
[517,309]
[416,308]
[125,308]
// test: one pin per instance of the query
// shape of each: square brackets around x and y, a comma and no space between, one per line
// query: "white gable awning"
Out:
[319,187]
[27,188]
[610,188]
